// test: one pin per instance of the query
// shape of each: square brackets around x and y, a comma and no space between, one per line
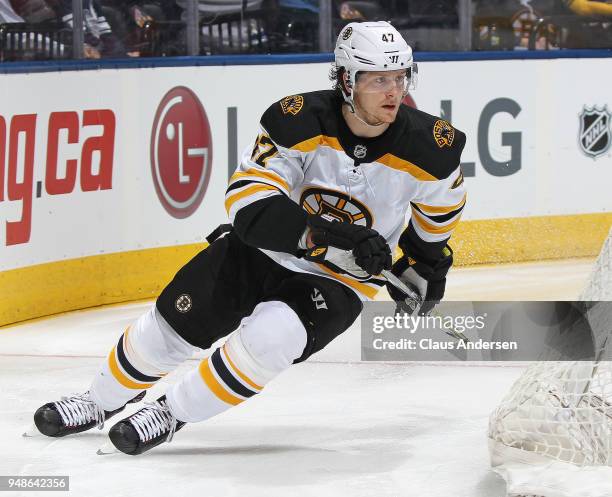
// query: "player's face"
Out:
[379,94]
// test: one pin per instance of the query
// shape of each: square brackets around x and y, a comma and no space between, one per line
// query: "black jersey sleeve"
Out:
[274,223]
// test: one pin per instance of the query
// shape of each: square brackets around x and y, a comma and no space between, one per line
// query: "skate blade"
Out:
[107,448]
[31,431]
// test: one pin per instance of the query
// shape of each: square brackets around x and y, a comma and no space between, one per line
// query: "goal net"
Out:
[551,436]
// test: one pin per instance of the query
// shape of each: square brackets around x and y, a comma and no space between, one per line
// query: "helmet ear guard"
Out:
[413,76]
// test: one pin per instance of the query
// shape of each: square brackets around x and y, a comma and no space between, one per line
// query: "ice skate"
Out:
[140,432]
[73,414]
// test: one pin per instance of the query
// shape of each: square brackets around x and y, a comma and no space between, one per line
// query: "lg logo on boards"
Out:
[181,152]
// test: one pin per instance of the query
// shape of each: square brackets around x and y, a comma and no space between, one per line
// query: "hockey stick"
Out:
[416,300]
[344,260]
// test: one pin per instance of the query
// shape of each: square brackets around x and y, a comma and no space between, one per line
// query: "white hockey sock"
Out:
[266,343]
[145,353]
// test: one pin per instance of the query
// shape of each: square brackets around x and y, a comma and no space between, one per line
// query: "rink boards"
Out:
[110,179]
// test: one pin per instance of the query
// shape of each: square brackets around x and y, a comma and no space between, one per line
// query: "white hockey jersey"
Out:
[306,151]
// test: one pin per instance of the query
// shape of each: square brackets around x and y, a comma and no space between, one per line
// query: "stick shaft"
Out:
[400,285]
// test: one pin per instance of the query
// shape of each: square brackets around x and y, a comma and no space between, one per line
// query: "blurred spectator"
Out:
[212,8]
[129,19]
[100,41]
[31,33]
[257,26]
[231,26]
[543,24]
[426,24]
[8,14]
[34,11]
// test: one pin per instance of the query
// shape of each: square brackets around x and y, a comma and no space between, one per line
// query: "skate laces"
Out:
[79,410]
[154,420]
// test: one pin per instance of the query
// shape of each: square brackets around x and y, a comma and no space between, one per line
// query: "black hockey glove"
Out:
[428,281]
[363,246]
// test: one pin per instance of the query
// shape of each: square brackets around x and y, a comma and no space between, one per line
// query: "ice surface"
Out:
[323,428]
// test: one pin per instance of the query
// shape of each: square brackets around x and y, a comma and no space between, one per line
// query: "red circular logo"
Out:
[181,152]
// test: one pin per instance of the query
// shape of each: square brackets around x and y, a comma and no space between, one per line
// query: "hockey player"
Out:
[317,204]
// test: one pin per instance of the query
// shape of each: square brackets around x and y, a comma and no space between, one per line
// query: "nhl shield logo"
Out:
[594,137]
[360,151]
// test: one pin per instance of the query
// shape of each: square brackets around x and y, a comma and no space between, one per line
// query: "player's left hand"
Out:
[428,281]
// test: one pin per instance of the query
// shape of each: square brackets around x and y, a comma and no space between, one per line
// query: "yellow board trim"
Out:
[510,240]
[216,387]
[61,286]
[121,377]
[398,164]
[44,289]
[251,190]
[268,175]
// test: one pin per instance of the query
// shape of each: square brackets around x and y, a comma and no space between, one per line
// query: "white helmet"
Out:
[373,46]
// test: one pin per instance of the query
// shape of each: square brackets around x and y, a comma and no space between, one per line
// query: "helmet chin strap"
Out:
[353,109]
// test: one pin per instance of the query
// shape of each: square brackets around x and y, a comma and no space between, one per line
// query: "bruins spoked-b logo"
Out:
[444,133]
[292,104]
[183,303]
[594,136]
[335,205]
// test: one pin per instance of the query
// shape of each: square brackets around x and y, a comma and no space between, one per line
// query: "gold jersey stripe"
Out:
[315,142]
[244,377]
[398,164]
[121,377]
[251,190]
[216,387]
[430,228]
[435,209]
[269,175]
[357,285]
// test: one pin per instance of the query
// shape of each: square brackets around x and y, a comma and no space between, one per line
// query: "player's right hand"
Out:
[370,250]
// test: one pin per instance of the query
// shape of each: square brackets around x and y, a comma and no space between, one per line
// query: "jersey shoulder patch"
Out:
[297,118]
[292,104]
[434,144]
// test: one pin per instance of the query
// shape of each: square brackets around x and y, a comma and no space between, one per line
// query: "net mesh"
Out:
[563,410]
